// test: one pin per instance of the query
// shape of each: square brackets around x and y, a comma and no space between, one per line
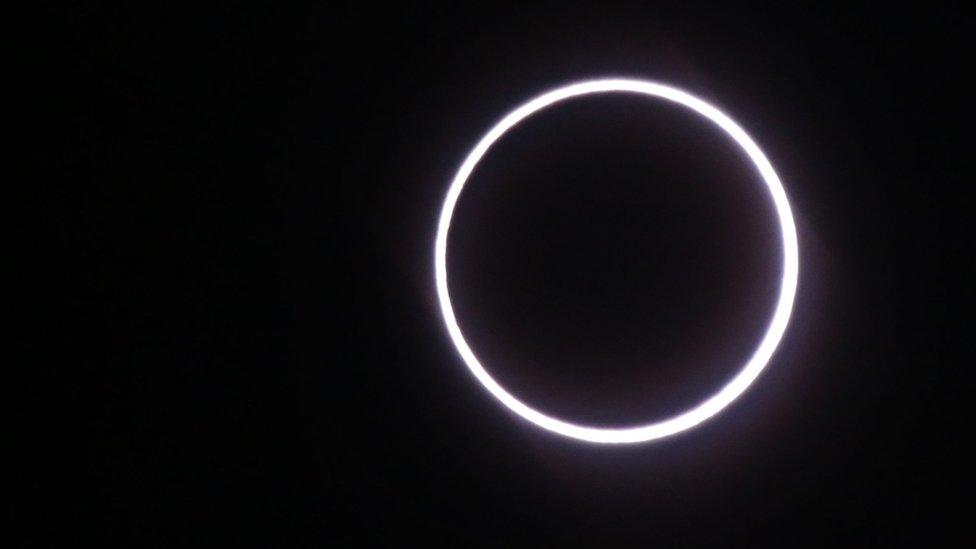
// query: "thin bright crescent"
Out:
[774,332]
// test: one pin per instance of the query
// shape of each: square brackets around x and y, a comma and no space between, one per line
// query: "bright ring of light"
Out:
[760,357]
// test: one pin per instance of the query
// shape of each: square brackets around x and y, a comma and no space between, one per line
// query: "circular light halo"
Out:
[760,357]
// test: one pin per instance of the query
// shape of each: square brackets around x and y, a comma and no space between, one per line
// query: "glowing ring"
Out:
[762,354]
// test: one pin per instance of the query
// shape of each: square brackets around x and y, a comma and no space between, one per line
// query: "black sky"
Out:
[239,335]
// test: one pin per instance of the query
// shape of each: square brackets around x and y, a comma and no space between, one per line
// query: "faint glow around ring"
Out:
[760,357]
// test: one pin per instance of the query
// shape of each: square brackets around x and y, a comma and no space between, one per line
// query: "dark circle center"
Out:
[614,259]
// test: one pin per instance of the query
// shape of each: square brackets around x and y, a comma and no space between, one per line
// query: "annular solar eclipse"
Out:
[774,331]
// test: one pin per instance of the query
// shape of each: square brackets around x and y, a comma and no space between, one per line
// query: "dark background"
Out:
[238,339]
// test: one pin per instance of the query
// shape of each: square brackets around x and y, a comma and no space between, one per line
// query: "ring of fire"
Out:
[774,331]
